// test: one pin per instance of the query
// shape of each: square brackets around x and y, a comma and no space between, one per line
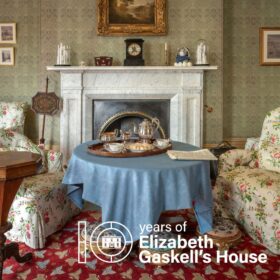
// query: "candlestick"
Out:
[63,55]
[166,55]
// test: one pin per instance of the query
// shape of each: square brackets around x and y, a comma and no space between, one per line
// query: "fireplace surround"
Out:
[80,86]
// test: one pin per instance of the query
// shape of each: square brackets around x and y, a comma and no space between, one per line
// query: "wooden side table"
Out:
[14,166]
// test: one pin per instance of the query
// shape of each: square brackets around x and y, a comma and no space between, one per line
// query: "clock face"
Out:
[134,49]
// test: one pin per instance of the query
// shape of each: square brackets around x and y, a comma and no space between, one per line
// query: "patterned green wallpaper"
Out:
[20,82]
[250,90]
[44,26]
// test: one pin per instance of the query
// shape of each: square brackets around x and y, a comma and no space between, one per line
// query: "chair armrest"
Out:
[237,157]
[14,141]
[54,160]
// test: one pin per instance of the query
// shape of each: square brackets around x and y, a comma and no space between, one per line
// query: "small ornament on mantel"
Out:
[183,57]
[202,53]
[166,54]
[63,55]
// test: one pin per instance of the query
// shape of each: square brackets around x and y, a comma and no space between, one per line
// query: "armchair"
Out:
[248,186]
[41,206]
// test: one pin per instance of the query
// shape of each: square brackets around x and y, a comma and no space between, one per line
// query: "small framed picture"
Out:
[7,33]
[7,56]
[269,46]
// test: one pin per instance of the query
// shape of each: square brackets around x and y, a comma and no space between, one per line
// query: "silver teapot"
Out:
[147,129]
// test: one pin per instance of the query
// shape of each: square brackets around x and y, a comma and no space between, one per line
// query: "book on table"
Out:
[203,154]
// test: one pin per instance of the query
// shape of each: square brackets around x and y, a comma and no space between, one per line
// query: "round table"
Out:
[134,191]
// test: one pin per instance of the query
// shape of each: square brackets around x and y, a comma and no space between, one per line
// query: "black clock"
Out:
[134,52]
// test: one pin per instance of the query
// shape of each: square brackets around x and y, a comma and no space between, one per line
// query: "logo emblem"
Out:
[110,242]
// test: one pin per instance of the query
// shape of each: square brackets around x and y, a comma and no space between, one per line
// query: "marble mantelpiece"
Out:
[183,86]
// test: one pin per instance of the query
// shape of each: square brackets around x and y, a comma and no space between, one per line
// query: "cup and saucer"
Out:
[114,147]
[161,143]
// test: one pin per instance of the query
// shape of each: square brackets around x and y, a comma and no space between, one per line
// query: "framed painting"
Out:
[7,56]
[270,46]
[131,17]
[7,33]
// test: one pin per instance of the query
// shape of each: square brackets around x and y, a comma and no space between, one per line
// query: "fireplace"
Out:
[182,87]
[109,115]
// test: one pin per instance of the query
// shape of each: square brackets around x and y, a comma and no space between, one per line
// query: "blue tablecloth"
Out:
[134,191]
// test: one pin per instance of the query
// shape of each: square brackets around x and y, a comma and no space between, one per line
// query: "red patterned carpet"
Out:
[59,261]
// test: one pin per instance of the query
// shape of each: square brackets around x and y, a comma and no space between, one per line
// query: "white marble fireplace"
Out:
[81,85]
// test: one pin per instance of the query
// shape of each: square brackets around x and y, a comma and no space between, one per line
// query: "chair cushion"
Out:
[269,152]
[252,197]
[12,140]
[255,185]
[233,158]
[12,116]
[40,186]
[40,208]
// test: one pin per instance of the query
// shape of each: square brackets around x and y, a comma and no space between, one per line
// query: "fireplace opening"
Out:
[109,115]
[129,121]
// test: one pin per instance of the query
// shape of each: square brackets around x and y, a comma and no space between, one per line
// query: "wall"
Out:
[67,22]
[250,90]
[20,82]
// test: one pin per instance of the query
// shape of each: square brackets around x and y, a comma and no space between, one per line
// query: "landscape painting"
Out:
[132,11]
[131,17]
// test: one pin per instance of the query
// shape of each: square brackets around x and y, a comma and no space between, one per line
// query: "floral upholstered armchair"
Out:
[248,186]
[41,206]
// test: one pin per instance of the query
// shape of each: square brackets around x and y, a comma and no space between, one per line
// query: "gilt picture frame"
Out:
[7,33]
[131,17]
[270,46]
[7,56]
